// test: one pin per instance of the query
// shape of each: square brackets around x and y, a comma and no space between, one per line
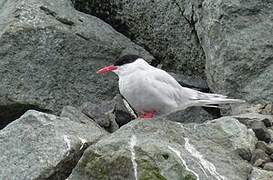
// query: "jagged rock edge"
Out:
[65,167]
[13,111]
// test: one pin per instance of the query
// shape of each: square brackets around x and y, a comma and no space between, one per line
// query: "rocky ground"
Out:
[60,120]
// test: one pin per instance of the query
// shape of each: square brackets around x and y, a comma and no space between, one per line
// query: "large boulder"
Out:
[160,149]
[160,26]
[43,146]
[237,39]
[49,53]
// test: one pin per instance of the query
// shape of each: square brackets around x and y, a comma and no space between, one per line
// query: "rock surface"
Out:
[167,150]
[190,115]
[161,26]
[245,108]
[76,115]
[110,115]
[249,119]
[259,174]
[43,146]
[237,41]
[191,82]
[101,113]
[268,166]
[50,52]
[259,158]
[268,148]
[259,123]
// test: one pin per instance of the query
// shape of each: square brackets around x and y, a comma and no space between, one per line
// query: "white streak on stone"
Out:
[67,141]
[133,142]
[128,107]
[206,164]
[178,153]
[83,141]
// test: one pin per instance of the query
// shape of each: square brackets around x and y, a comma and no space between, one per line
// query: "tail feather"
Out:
[206,99]
[192,97]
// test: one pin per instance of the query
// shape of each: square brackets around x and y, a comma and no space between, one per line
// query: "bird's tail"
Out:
[209,100]
[197,98]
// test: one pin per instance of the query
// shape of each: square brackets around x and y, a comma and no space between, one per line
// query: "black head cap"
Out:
[126,59]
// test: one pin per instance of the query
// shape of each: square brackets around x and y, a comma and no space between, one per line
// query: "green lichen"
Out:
[189,177]
[93,166]
[148,171]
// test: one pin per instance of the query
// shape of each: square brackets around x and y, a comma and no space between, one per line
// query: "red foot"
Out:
[147,115]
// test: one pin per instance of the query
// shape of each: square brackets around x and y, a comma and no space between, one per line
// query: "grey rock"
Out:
[268,148]
[190,115]
[123,112]
[237,41]
[270,131]
[259,174]
[191,82]
[261,131]
[99,112]
[50,52]
[108,114]
[257,123]
[267,122]
[44,146]
[268,166]
[160,149]
[249,118]
[245,108]
[161,26]
[76,115]
[259,158]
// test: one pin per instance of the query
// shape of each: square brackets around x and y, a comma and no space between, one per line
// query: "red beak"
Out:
[106,69]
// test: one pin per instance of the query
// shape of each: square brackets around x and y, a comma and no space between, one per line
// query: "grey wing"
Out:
[171,88]
[165,84]
[185,97]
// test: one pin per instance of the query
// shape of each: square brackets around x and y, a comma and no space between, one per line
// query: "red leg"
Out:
[147,115]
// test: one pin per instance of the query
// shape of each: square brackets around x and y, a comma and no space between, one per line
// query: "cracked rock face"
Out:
[237,40]
[168,150]
[163,27]
[50,52]
[43,146]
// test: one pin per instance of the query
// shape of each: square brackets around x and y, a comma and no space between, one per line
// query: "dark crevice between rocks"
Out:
[106,11]
[11,112]
[215,112]
[157,58]
[65,167]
